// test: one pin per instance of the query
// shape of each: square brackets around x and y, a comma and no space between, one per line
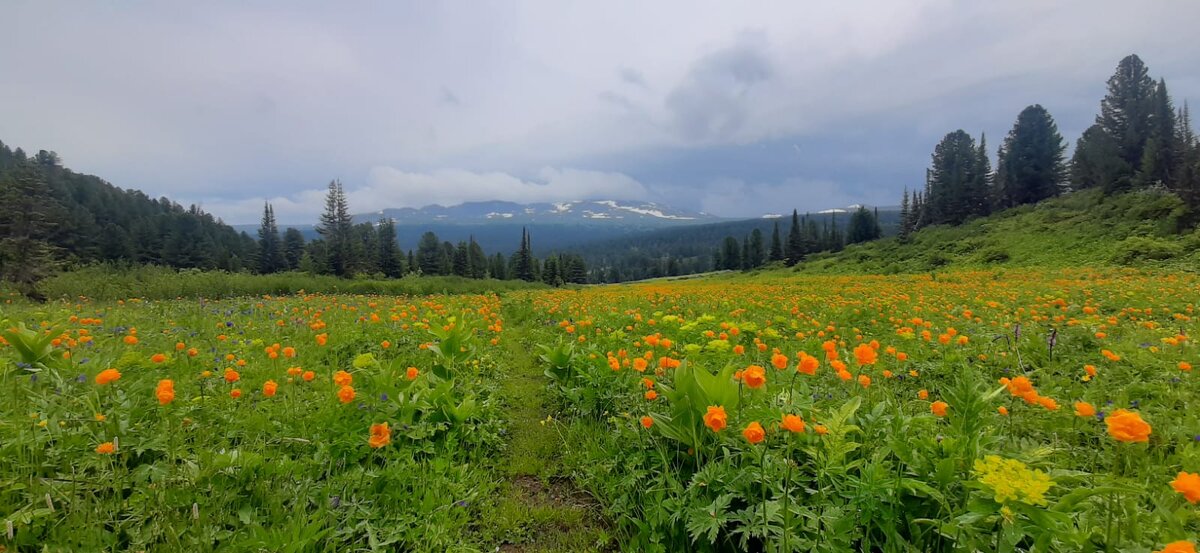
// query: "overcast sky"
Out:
[735,108]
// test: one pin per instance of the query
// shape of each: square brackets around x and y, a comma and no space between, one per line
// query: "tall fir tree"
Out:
[337,230]
[429,254]
[293,248]
[1162,151]
[757,255]
[905,217]
[1125,116]
[776,244]
[1031,164]
[794,250]
[29,215]
[391,259]
[270,245]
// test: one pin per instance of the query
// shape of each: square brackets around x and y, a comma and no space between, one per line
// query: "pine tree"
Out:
[523,265]
[957,185]
[1162,151]
[731,255]
[776,244]
[1097,161]
[794,251]
[905,217]
[757,253]
[461,264]
[336,228]
[1031,164]
[28,215]
[1185,178]
[499,269]
[270,246]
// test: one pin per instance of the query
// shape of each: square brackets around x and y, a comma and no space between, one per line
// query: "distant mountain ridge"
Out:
[586,212]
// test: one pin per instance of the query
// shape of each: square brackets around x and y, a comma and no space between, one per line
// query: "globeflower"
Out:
[108,376]
[345,394]
[1127,426]
[865,354]
[779,361]
[165,391]
[715,418]
[1084,409]
[342,378]
[647,422]
[106,448]
[381,435]
[939,408]
[792,423]
[412,373]
[754,433]
[754,376]
[1180,546]
[1187,484]
[808,364]
[232,376]
[158,358]
[269,388]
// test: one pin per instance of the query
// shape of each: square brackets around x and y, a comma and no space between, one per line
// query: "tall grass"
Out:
[108,282]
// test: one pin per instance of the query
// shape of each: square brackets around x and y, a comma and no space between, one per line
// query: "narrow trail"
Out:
[540,509]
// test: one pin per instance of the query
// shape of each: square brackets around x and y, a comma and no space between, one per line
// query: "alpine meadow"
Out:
[599,278]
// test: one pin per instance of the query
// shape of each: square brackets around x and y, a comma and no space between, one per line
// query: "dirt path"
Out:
[540,509]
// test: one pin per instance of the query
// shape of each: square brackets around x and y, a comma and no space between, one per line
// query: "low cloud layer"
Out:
[231,103]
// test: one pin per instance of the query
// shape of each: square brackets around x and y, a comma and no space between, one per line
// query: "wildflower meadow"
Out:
[1021,410]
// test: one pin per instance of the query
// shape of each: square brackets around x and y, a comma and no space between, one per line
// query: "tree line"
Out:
[1139,140]
[805,237]
[347,249]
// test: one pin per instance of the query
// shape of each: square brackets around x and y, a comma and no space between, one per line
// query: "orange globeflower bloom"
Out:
[108,376]
[343,378]
[939,408]
[779,361]
[192,352]
[923,394]
[269,388]
[754,433]
[322,339]
[647,422]
[381,435]
[385,344]
[754,376]
[411,373]
[1084,409]
[1185,366]
[235,393]
[739,349]
[130,340]
[345,394]
[808,364]
[289,352]
[179,346]
[792,423]
[865,355]
[1127,426]
[165,391]
[639,365]
[820,429]
[1181,546]
[1002,410]
[1187,484]
[651,395]
[864,381]
[158,358]
[715,418]
[106,448]
[232,376]
[308,376]
[1110,355]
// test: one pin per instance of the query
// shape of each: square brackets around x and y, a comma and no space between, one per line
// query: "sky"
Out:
[732,108]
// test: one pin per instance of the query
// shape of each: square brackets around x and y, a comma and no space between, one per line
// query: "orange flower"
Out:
[1180,546]
[385,344]
[322,338]
[192,352]
[158,358]
[1187,484]
[1048,403]
[269,388]
[1084,409]
[1185,366]
[651,395]
[411,373]
[754,433]
[808,364]
[1002,410]
[779,361]
[739,349]
[308,376]
[1110,355]
[106,448]
[232,376]
[130,340]
[235,393]
[179,346]
[864,381]
[345,394]
[923,394]
[865,355]
[1090,369]
[715,418]
[939,408]
[381,435]
[1127,426]
[639,365]
[343,378]
[165,392]
[108,376]
[820,429]
[754,376]
[289,352]
[792,423]
[647,422]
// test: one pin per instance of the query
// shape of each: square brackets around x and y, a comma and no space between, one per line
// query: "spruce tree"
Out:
[758,253]
[905,217]
[794,250]
[293,248]
[461,264]
[731,255]
[270,245]
[391,259]
[1031,165]
[776,244]
[1162,152]
[477,261]
[429,254]
[28,220]
[957,185]
[337,230]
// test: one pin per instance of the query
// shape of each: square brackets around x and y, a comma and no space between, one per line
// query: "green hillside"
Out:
[1081,228]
